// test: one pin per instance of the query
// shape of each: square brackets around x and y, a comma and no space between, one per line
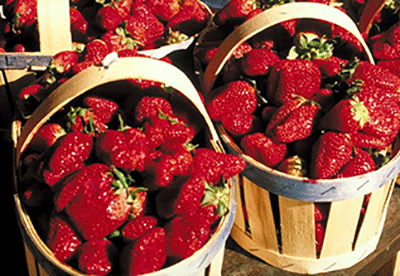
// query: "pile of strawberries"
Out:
[107,25]
[302,101]
[118,186]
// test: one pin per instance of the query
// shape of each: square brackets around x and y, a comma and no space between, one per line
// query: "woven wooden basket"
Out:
[275,213]
[41,261]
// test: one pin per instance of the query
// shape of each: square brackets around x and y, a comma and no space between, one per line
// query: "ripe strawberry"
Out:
[234,97]
[103,108]
[124,7]
[29,91]
[63,62]
[263,149]
[348,115]
[391,65]
[386,45]
[135,228]
[96,50]
[97,257]
[144,27]
[46,136]
[293,165]
[258,62]
[190,19]
[330,154]
[101,189]
[149,107]
[240,124]
[62,239]
[366,141]
[24,20]
[125,149]
[360,164]
[290,78]
[147,254]
[319,214]
[185,235]
[67,155]
[108,18]
[164,10]
[319,236]
[325,97]
[293,120]
[117,40]
[345,37]
[330,66]
[235,11]
[79,24]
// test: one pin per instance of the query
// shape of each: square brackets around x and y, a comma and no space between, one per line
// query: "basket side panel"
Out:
[297,227]
[215,268]
[341,226]
[239,216]
[261,220]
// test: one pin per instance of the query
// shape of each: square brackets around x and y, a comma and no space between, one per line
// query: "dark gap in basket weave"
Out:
[244,208]
[277,218]
[325,209]
[361,219]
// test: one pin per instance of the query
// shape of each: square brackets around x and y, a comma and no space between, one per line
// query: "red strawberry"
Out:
[235,11]
[234,97]
[84,120]
[391,65]
[294,120]
[104,108]
[348,115]
[24,20]
[46,136]
[97,257]
[190,19]
[362,140]
[147,254]
[135,228]
[118,41]
[346,37]
[330,66]
[258,62]
[68,155]
[31,90]
[386,45]
[330,154]
[325,97]
[108,18]
[62,239]
[290,78]
[96,50]
[164,10]
[138,200]
[318,213]
[124,7]
[360,164]
[319,236]
[79,24]
[240,124]
[63,62]
[102,190]
[126,149]
[149,107]
[263,149]
[185,235]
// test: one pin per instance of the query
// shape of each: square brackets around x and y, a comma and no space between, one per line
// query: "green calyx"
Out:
[217,195]
[359,111]
[309,46]
[127,39]
[175,37]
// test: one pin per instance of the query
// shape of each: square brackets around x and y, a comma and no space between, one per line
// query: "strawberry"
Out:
[190,19]
[319,236]
[263,149]
[37,195]
[293,120]
[104,108]
[79,24]
[146,254]
[331,152]
[149,107]
[319,214]
[325,97]
[135,228]
[24,20]
[29,91]
[267,112]
[117,40]
[108,18]
[84,120]
[386,45]
[234,97]
[293,165]
[63,62]
[62,239]
[363,140]
[124,7]
[46,136]
[391,65]
[348,115]
[67,155]
[164,10]
[290,78]
[235,11]
[96,50]
[126,149]
[240,124]
[185,235]
[97,257]
[330,66]
[345,37]
[258,62]
[360,164]
[104,191]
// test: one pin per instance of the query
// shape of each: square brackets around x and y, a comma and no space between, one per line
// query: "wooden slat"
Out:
[261,220]
[31,262]
[297,227]
[215,267]
[239,216]
[341,227]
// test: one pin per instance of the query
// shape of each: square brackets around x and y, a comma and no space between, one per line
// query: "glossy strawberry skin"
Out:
[104,108]
[96,50]
[385,45]
[70,153]
[147,254]
[330,154]
[108,17]
[235,11]
[46,136]
[258,62]
[62,239]
[263,149]
[149,107]
[164,10]
[135,228]
[360,164]
[97,257]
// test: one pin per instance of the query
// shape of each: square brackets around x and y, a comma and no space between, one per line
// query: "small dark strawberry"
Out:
[330,154]
[386,45]
[97,257]
[331,66]
[360,164]
[319,214]
[29,91]
[79,24]
[236,11]
[319,236]
[62,239]
[135,228]
[391,65]
[146,254]
[258,62]
[36,195]
[46,136]
[263,149]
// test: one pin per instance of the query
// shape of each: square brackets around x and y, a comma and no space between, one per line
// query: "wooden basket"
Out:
[41,261]
[275,211]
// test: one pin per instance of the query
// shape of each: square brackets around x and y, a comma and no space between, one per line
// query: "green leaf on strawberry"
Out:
[217,195]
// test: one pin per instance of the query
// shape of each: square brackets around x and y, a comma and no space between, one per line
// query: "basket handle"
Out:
[271,17]
[54,26]
[122,68]
[370,10]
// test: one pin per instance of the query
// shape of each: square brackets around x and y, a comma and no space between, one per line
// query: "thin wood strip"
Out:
[54,26]
[368,15]
[297,227]
[215,267]
[269,18]
[239,216]
[31,262]
[341,226]
[373,215]
[42,271]
[260,216]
